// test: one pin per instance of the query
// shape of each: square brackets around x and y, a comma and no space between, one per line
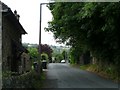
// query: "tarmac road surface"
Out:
[62,75]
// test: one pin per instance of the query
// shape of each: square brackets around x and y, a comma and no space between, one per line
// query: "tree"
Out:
[46,49]
[58,57]
[90,27]
[65,24]
[65,54]
[33,52]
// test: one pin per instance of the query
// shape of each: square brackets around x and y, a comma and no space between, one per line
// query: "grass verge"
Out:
[108,73]
[38,81]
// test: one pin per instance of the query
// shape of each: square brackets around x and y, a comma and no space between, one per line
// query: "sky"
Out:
[29,11]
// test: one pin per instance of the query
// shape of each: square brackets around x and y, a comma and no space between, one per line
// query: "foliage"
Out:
[46,49]
[59,50]
[56,50]
[6,73]
[64,54]
[73,56]
[38,81]
[44,56]
[108,72]
[87,26]
[84,67]
[59,57]
[33,52]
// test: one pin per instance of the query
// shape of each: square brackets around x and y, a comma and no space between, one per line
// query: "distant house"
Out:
[12,48]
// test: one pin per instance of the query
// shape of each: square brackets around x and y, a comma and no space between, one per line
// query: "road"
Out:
[61,75]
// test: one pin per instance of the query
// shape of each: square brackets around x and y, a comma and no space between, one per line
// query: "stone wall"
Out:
[9,34]
[0,45]
[21,81]
[25,64]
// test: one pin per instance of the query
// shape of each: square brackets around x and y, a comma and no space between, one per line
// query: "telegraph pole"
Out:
[39,62]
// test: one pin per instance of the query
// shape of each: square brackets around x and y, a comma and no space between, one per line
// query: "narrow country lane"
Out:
[61,75]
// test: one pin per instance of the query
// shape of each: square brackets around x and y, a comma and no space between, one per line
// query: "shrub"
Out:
[44,56]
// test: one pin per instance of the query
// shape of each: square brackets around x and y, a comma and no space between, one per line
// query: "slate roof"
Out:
[6,11]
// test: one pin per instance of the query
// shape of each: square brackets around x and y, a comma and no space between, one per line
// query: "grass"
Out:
[38,82]
[84,67]
[108,73]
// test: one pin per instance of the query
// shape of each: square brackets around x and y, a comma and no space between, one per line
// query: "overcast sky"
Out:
[29,11]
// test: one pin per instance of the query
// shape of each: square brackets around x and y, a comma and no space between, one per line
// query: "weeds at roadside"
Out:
[109,72]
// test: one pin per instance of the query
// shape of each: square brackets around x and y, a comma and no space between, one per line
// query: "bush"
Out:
[58,57]
[44,56]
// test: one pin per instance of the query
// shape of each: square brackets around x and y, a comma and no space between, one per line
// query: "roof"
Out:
[6,11]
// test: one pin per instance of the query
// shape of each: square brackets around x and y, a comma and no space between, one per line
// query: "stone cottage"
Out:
[25,64]
[12,47]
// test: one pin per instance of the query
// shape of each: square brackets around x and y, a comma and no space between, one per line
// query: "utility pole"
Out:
[39,48]
[39,62]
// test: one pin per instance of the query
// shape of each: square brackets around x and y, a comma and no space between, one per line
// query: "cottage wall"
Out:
[9,34]
[25,63]
[0,46]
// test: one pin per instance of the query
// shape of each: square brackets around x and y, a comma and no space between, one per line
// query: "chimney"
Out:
[16,15]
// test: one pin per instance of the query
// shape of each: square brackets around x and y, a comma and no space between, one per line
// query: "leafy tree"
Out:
[65,54]
[59,57]
[34,54]
[46,49]
[88,26]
